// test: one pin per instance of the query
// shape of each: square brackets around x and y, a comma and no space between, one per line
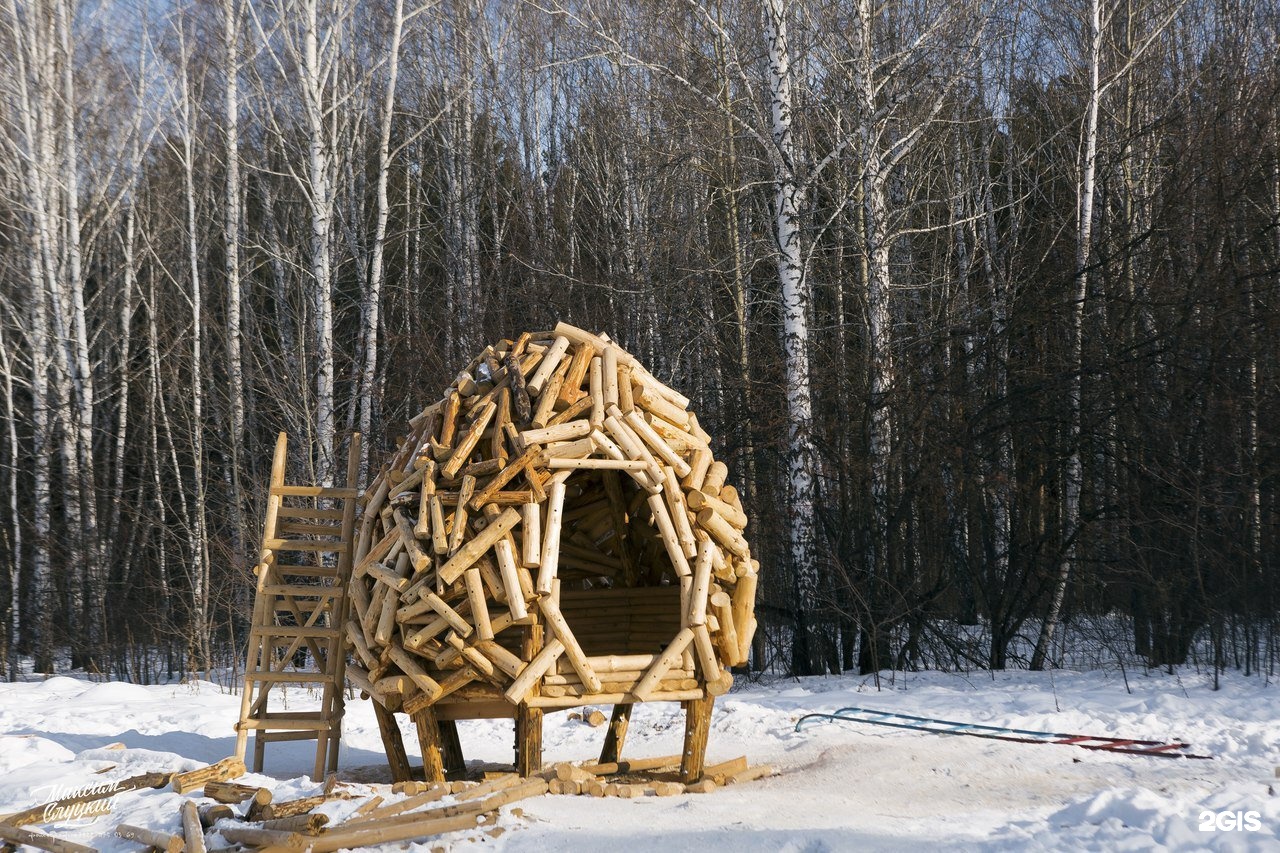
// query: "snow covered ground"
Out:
[842,786]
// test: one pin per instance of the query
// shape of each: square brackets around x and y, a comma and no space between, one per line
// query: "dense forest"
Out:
[979,298]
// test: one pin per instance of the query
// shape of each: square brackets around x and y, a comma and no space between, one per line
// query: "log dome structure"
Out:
[554,532]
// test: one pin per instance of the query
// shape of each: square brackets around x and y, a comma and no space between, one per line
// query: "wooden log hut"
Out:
[554,532]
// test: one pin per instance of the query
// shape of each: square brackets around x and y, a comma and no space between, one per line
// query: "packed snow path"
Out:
[843,787]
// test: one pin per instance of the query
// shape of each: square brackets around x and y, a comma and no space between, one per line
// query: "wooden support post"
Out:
[529,720]
[429,742]
[697,725]
[451,748]
[397,759]
[616,737]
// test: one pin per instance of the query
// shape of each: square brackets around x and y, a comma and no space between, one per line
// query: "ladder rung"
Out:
[308,529]
[288,723]
[288,603]
[290,677]
[267,736]
[303,545]
[315,492]
[310,512]
[296,632]
[306,571]
[302,589]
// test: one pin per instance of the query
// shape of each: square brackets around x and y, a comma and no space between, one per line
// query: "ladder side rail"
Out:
[335,705]
[265,559]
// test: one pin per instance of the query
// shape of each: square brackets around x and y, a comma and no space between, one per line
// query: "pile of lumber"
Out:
[645,777]
[554,471]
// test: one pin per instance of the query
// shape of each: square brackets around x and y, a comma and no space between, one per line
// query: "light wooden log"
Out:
[536,668]
[615,698]
[418,794]
[192,829]
[596,384]
[386,620]
[750,774]
[456,681]
[388,578]
[307,824]
[470,552]
[728,634]
[681,440]
[462,453]
[744,605]
[658,506]
[165,841]
[730,513]
[513,580]
[501,658]
[578,448]
[715,478]
[410,667]
[631,444]
[632,765]
[556,463]
[423,529]
[410,482]
[550,360]
[489,493]
[264,838]
[477,661]
[227,768]
[440,606]
[699,465]
[670,656]
[650,400]
[560,432]
[358,677]
[377,552]
[571,391]
[235,793]
[744,638]
[492,580]
[697,728]
[724,533]
[572,651]
[701,583]
[479,604]
[389,687]
[644,478]
[575,689]
[679,512]
[706,652]
[550,559]
[620,663]
[531,528]
[660,448]
[459,531]
[439,532]
[547,399]
[497,452]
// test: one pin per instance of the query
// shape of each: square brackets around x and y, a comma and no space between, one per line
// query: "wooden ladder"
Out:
[299,610]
